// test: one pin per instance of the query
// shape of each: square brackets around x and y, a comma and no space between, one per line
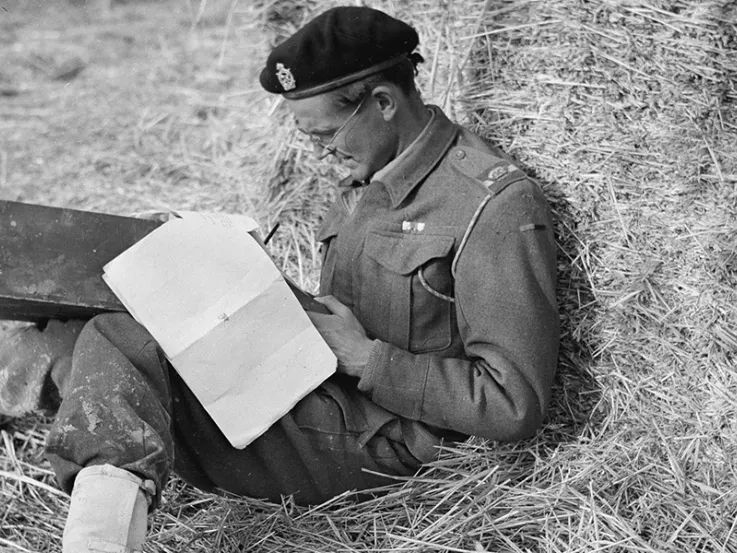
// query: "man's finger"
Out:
[154,215]
[334,305]
[324,322]
[316,318]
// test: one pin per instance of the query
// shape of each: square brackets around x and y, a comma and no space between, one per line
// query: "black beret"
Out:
[338,47]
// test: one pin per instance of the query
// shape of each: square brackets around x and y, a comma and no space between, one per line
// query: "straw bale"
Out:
[625,113]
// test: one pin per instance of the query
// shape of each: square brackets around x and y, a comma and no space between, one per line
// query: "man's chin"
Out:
[357,171]
[360,173]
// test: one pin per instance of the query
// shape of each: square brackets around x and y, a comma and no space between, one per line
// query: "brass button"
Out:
[460,154]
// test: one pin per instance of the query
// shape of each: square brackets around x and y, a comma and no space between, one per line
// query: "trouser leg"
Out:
[34,364]
[126,407]
[116,405]
[323,447]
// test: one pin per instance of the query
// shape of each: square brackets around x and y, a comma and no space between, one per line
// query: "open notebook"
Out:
[225,317]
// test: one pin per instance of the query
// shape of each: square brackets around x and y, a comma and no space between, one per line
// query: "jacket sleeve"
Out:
[508,321]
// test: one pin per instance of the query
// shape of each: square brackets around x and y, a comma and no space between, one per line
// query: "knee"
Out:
[118,330]
[114,343]
[110,324]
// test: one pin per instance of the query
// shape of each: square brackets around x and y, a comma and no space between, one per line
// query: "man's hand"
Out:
[154,215]
[344,334]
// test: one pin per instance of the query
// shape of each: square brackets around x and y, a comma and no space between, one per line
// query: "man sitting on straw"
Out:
[439,271]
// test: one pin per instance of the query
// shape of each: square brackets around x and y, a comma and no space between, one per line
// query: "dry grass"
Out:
[626,113]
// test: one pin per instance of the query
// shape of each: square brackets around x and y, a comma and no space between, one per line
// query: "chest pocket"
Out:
[406,290]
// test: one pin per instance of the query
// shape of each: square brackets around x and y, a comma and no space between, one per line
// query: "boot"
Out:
[108,512]
[34,362]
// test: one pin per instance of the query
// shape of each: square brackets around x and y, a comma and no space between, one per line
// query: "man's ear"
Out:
[386,101]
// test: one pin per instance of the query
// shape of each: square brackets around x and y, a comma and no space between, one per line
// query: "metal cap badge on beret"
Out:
[338,47]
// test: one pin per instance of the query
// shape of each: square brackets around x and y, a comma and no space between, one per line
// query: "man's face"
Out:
[359,137]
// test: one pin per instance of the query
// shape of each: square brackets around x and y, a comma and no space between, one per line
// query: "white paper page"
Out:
[278,358]
[168,278]
[226,220]
[118,269]
[225,317]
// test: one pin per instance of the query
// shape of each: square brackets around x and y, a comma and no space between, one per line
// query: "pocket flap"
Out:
[405,253]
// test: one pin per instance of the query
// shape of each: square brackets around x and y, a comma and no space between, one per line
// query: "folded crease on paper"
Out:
[226,319]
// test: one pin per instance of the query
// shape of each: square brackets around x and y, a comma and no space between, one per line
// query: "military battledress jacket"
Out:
[449,263]
[447,260]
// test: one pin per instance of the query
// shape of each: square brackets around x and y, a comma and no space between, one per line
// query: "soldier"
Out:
[439,271]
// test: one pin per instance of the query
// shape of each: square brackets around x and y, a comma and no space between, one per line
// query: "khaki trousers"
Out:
[123,404]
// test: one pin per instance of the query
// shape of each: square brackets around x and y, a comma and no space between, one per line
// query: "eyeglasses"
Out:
[324,149]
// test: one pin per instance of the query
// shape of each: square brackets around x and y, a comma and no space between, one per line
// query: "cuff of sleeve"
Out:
[395,379]
[373,367]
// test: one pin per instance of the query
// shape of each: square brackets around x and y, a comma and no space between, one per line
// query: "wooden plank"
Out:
[51,261]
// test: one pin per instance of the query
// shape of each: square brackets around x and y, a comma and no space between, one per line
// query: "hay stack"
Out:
[625,112]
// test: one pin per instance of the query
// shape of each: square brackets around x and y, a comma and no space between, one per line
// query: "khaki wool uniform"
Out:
[447,260]
[449,263]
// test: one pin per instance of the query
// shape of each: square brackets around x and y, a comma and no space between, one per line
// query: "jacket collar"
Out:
[427,150]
